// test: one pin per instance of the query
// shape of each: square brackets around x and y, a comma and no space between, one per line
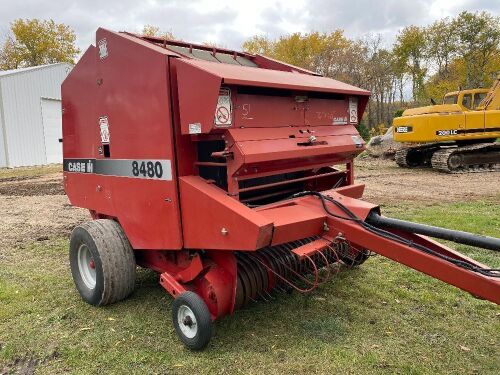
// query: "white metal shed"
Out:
[30,115]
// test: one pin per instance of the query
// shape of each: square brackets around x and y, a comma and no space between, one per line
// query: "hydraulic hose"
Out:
[457,236]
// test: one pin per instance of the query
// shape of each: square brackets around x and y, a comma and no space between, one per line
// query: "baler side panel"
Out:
[213,220]
[198,91]
[130,87]
[184,145]
[79,110]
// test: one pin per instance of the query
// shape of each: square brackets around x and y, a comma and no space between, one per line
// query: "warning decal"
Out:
[353,110]
[223,112]
[104,129]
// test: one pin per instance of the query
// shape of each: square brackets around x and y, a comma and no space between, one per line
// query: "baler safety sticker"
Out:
[103,49]
[104,129]
[223,111]
[195,128]
[133,168]
[353,110]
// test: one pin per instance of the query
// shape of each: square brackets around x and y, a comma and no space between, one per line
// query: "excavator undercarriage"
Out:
[452,157]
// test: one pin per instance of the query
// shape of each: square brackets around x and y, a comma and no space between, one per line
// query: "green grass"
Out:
[379,318]
[29,172]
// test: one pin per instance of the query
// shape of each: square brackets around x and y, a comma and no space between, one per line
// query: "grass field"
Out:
[378,318]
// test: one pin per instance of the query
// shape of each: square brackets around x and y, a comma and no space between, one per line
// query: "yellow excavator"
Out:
[457,136]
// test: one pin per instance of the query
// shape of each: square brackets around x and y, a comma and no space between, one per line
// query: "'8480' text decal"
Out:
[150,169]
[145,169]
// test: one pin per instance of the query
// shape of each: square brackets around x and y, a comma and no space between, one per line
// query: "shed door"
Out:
[52,130]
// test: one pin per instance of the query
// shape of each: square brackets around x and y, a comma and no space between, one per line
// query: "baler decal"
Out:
[353,110]
[223,112]
[132,168]
[104,129]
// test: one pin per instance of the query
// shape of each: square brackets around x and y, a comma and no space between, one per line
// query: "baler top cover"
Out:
[238,89]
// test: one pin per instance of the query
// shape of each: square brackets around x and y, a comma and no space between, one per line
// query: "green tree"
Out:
[479,40]
[410,49]
[258,44]
[155,31]
[441,45]
[33,42]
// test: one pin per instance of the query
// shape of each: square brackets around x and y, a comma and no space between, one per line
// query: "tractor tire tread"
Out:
[117,258]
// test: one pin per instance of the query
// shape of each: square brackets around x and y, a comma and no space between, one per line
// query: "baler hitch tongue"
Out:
[457,236]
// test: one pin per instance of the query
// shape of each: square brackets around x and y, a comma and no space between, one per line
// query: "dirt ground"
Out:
[36,209]
[387,183]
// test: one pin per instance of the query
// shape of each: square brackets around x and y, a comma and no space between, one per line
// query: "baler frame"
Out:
[218,170]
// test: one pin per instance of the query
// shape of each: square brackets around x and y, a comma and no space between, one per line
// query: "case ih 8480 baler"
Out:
[218,170]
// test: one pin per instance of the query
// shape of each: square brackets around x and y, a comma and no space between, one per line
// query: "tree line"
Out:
[424,62]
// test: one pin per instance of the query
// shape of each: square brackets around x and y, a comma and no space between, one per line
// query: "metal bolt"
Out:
[326,228]
[98,188]
[224,231]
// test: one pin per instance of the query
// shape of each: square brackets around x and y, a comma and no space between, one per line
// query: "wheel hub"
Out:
[187,322]
[86,266]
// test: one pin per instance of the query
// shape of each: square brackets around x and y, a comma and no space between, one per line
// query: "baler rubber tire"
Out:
[203,320]
[358,261]
[113,258]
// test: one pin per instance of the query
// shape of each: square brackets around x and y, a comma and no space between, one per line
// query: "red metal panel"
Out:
[248,76]
[294,222]
[267,111]
[311,248]
[326,112]
[78,109]
[268,63]
[261,150]
[303,132]
[130,86]
[213,220]
[198,91]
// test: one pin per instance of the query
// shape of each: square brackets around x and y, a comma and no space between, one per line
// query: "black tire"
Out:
[112,259]
[203,323]
[360,258]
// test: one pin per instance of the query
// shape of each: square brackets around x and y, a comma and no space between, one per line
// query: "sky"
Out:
[230,23]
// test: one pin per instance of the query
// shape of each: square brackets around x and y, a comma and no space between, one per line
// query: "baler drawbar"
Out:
[219,170]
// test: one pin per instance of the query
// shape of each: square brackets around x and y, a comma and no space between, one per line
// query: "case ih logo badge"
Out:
[353,110]
[103,49]
[340,120]
[104,129]
[223,112]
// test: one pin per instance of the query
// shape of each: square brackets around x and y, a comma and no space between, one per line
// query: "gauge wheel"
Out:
[102,262]
[192,320]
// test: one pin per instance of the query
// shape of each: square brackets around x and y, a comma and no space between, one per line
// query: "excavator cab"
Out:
[467,99]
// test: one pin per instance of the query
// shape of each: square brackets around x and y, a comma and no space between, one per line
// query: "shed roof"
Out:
[29,69]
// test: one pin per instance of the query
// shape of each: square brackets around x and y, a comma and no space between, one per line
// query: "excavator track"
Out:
[484,157]
[401,158]
[418,156]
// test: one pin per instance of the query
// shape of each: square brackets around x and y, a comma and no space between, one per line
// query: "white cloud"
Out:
[231,22]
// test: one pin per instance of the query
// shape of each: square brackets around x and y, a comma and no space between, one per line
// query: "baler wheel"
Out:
[102,262]
[192,320]
[353,260]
